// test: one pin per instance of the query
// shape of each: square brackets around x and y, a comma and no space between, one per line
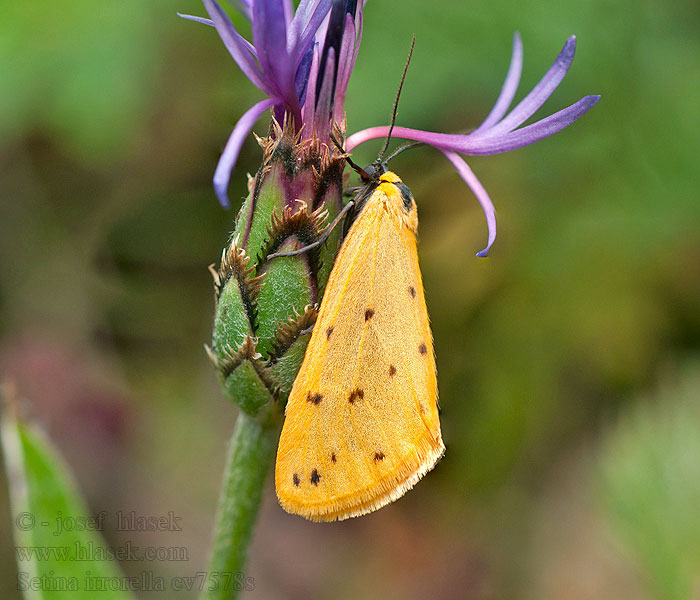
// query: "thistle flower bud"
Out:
[266,308]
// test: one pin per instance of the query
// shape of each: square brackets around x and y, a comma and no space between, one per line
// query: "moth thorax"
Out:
[400,203]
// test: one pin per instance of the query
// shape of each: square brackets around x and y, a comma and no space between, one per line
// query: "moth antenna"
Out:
[357,168]
[396,102]
[399,150]
[307,330]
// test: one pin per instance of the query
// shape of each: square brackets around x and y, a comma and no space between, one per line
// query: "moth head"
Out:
[372,172]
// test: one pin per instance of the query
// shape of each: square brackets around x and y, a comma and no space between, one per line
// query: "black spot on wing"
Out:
[412,291]
[369,313]
[314,398]
[328,333]
[333,457]
[356,394]
[378,456]
[423,349]
[295,480]
[315,477]
[392,370]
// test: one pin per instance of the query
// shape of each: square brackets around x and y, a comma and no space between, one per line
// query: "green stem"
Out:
[250,455]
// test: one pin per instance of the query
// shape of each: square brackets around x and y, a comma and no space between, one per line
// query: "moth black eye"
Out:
[371,171]
[405,194]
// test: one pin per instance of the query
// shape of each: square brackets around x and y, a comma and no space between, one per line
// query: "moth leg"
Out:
[307,330]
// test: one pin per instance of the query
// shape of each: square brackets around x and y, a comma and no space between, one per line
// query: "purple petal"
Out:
[482,143]
[301,79]
[301,18]
[381,131]
[359,19]
[211,23]
[270,40]
[196,19]
[322,116]
[530,134]
[539,94]
[510,86]
[481,195]
[322,31]
[229,156]
[309,109]
[288,13]
[346,63]
[312,27]
[334,29]
[244,7]
[305,25]
[239,48]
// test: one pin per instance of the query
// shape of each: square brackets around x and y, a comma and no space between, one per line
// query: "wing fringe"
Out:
[385,490]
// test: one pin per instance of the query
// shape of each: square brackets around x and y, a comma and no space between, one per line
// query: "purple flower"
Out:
[498,132]
[303,62]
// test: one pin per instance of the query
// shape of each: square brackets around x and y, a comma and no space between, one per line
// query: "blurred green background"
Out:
[568,362]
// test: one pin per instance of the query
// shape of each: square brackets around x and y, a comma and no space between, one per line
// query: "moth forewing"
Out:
[362,425]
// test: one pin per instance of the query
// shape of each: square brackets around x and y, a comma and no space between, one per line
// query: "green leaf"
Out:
[58,543]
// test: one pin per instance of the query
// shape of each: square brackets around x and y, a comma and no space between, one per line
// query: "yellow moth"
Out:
[362,424]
